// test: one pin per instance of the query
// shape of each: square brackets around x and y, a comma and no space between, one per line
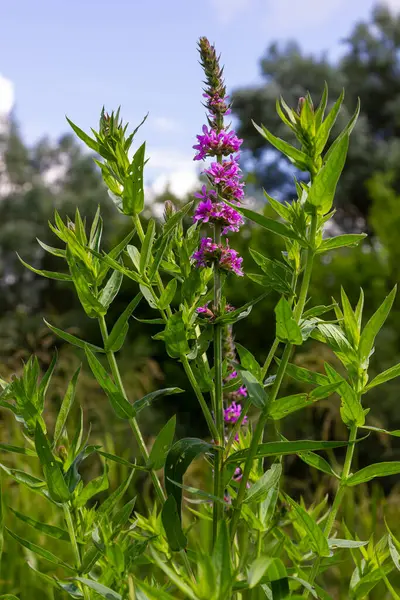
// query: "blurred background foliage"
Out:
[36,180]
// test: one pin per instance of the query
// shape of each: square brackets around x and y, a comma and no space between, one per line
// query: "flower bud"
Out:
[300,104]
[169,209]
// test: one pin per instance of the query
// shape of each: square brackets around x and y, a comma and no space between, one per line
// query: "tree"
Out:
[369,69]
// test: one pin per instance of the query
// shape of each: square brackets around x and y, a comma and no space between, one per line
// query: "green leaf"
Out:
[240,313]
[346,131]
[172,524]
[147,246]
[248,362]
[266,568]
[51,250]
[269,224]
[395,433]
[39,550]
[287,330]
[318,541]
[326,126]
[162,445]
[317,311]
[99,588]
[111,289]
[350,320]
[133,194]
[17,450]
[176,218]
[139,405]
[48,274]
[374,325]
[289,404]
[337,543]
[255,390]
[175,336]
[297,157]
[281,209]
[168,294]
[1,520]
[173,577]
[351,409]
[72,339]
[259,490]
[316,461]
[50,530]
[383,469]
[91,143]
[151,593]
[95,486]
[66,406]
[340,241]
[383,377]
[178,460]
[322,190]
[282,448]
[304,375]
[53,475]
[158,257]
[121,406]
[112,500]
[118,333]
[324,391]
[221,561]
[30,481]
[91,305]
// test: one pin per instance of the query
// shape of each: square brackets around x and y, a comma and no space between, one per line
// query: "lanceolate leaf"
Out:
[51,530]
[318,541]
[178,460]
[65,407]
[269,224]
[295,156]
[118,333]
[162,445]
[383,469]
[172,525]
[340,241]
[323,187]
[56,485]
[255,390]
[168,294]
[72,339]
[287,330]
[139,405]
[374,325]
[48,274]
[39,550]
[259,490]
[383,377]
[102,590]
[120,404]
[282,448]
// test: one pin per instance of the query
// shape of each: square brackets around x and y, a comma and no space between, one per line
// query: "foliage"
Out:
[247,538]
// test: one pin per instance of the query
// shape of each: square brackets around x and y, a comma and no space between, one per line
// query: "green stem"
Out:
[337,501]
[257,436]
[269,358]
[72,536]
[200,397]
[132,422]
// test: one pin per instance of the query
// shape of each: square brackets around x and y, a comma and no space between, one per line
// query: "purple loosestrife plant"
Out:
[241,537]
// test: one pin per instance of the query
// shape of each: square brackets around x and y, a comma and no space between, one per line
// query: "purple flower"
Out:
[231,261]
[216,143]
[202,310]
[232,413]
[206,194]
[232,375]
[221,213]
[227,175]
[224,257]
[242,391]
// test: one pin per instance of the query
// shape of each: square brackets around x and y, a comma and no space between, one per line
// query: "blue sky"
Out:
[71,57]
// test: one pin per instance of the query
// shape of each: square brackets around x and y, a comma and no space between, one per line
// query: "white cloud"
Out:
[169,168]
[164,124]
[6,96]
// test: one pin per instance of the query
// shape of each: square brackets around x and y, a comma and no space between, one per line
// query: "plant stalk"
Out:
[132,422]
[337,501]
